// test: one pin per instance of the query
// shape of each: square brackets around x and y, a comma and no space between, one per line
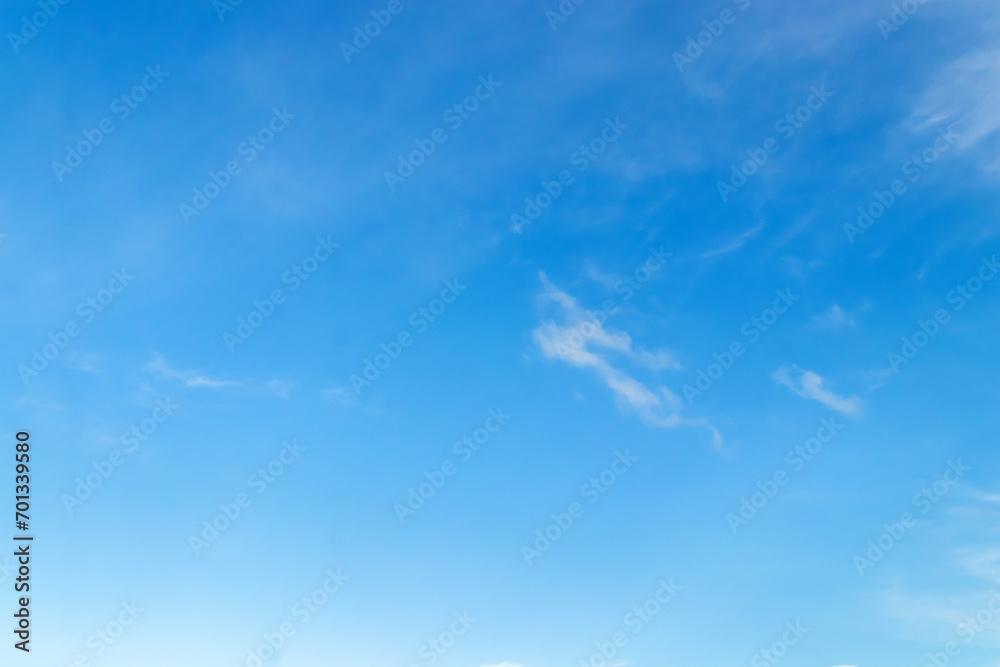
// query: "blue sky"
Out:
[520,334]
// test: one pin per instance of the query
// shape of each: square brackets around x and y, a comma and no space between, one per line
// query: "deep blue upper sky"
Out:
[703,290]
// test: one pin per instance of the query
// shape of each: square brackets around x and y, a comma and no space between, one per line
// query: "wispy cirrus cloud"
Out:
[972,555]
[734,244]
[967,93]
[808,384]
[159,367]
[340,396]
[836,318]
[580,340]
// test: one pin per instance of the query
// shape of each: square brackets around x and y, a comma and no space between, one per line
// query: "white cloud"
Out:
[606,279]
[810,385]
[836,318]
[87,362]
[159,366]
[278,387]
[506,664]
[582,328]
[340,396]
[967,93]
[735,244]
[582,341]
[965,549]
[982,562]
[986,497]
[657,361]
[877,377]
[160,369]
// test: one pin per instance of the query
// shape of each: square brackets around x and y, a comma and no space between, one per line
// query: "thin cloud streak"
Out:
[810,385]
[581,341]
[735,244]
